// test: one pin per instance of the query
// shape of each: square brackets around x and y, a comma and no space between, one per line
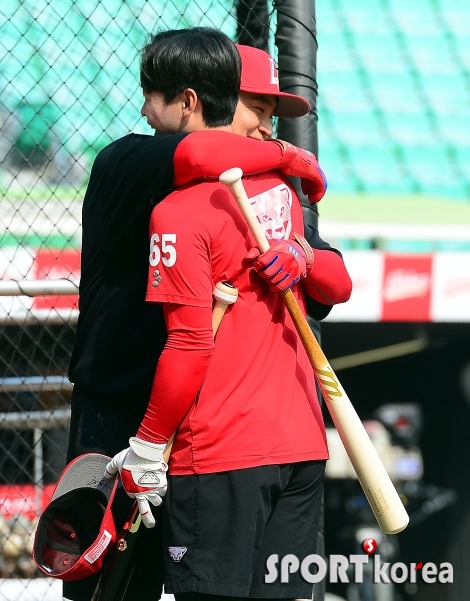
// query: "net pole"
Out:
[296,41]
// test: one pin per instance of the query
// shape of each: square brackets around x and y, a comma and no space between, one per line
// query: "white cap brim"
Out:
[86,471]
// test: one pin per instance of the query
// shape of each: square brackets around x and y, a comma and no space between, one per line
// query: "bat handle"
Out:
[168,448]
[225,294]
[233,179]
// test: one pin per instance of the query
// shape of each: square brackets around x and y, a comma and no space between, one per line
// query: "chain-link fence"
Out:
[69,85]
[394,96]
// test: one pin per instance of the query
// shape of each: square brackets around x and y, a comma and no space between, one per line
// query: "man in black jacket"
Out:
[119,336]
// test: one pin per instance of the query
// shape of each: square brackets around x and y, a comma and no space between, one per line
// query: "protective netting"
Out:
[394,96]
[69,85]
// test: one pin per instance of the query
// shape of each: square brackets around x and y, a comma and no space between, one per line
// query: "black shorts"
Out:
[96,427]
[220,529]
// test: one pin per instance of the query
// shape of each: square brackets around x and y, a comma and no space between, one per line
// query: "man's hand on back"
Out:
[297,162]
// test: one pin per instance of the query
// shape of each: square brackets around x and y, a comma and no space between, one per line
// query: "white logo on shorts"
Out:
[176,553]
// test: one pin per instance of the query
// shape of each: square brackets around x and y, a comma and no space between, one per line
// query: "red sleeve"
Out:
[206,154]
[180,371]
[328,281]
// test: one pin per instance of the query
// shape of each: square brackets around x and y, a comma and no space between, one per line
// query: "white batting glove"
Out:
[143,475]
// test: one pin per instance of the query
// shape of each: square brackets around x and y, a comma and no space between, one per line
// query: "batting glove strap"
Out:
[308,250]
[147,450]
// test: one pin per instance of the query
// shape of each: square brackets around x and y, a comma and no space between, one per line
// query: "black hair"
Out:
[200,58]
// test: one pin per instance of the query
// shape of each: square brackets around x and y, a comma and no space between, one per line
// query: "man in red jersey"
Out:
[247,467]
[247,464]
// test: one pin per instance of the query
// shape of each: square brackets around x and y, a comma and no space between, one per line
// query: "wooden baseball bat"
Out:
[371,473]
[118,571]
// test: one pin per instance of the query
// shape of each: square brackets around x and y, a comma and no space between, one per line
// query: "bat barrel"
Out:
[225,294]
[381,494]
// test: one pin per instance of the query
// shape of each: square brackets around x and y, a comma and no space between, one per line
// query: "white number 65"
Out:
[167,249]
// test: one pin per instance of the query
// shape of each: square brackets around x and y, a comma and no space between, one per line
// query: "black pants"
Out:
[220,529]
[99,427]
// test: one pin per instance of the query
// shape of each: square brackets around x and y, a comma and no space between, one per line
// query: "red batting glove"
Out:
[301,163]
[283,264]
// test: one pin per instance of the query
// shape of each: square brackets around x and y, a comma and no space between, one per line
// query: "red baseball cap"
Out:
[77,528]
[259,76]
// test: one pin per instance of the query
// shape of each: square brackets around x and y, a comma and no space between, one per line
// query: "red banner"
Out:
[406,293]
[53,265]
[24,499]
